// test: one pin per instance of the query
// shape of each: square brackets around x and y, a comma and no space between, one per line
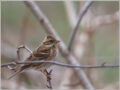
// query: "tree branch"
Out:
[73,20]
[60,64]
[49,79]
[63,49]
[82,13]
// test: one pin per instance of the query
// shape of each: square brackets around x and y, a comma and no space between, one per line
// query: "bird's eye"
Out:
[51,41]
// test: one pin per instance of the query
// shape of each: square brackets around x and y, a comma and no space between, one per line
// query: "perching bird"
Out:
[47,50]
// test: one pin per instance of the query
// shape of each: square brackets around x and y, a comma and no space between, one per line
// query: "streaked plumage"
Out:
[47,50]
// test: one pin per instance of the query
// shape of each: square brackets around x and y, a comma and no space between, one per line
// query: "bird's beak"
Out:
[57,41]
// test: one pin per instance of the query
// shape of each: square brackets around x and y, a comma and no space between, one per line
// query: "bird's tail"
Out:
[16,73]
[19,71]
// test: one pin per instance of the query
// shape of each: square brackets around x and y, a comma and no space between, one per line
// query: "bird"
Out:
[47,50]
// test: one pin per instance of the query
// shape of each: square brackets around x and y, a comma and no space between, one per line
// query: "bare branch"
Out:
[61,64]
[49,79]
[82,13]
[63,49]
[72,19]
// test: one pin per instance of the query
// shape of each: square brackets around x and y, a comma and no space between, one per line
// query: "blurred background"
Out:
[19,26]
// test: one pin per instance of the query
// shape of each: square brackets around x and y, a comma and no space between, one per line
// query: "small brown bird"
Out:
[47,50]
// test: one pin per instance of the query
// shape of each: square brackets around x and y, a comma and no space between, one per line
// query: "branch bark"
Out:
[72,19]
[60,64]
[82,13]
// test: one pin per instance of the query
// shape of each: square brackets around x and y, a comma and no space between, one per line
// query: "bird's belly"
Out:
[43,66]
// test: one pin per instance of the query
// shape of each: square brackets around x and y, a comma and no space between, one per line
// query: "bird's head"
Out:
[50,41]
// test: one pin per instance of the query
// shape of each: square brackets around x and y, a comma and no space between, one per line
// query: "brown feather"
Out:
[45,51]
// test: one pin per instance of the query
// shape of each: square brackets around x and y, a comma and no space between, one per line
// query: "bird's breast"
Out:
[53,53]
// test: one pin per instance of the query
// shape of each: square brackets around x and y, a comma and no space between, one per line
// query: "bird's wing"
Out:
[42,53]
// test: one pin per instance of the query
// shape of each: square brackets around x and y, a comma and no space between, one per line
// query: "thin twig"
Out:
[82,13]
[49,79]
[72,19]
[43,20]
[61,64]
